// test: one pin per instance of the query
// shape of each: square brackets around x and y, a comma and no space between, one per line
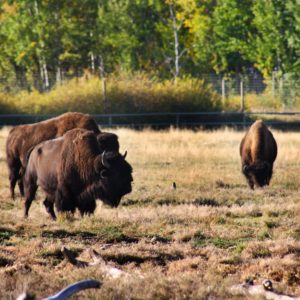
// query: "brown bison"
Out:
[73,172]
[258,151]
[24,137]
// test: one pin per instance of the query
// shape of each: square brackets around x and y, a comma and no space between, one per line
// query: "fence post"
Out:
[223,90]
[103,78]
[273,84]
[109,121]
[177,120]
[242,101]
[242,95]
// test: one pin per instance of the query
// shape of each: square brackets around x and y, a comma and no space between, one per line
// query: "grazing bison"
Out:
[73,172]
[258,151]
[24,137]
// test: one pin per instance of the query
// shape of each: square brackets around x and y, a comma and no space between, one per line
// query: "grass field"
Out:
[190,243]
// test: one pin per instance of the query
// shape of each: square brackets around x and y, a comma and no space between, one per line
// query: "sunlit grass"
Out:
[190,242]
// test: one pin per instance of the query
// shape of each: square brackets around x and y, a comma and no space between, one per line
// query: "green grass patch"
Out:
[296,234]
[261,253]
[234,260]
[5,234]
[200,240]
[7,205]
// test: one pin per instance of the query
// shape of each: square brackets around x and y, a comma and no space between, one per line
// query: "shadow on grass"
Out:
[131,202]
[205,202]
[199,240]
[4,262]
[160,259]
[108,234]
[222,185]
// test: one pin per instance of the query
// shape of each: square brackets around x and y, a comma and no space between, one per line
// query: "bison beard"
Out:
[24,137]
[258,150]
[79,174]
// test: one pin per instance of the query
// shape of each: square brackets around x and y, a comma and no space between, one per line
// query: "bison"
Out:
[24,137]
[258,150]
[73,172]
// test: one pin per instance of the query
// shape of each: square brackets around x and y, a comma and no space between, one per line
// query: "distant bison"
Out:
[258,151]
[24,137]
[73,172]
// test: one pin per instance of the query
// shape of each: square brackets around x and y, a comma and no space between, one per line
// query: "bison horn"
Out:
[104,160]
[124,155]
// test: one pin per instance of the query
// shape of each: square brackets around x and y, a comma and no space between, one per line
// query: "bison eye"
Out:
[104,174]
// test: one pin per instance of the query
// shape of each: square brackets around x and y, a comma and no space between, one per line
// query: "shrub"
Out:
[126,93]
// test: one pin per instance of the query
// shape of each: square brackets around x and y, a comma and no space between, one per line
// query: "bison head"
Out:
[115,177]
[260,172]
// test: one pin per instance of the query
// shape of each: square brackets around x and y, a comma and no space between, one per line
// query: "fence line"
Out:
[176,119]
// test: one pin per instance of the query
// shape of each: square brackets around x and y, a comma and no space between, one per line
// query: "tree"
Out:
[232,32]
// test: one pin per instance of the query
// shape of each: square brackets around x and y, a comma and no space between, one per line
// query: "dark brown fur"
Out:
[76,177]
[24,137]
[258,150]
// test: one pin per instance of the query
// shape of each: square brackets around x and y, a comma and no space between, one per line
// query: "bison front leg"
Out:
[49,205]
[64,201]
[86,206]
[250,182]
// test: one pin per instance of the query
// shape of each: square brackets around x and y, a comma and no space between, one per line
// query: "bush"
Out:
[125,93]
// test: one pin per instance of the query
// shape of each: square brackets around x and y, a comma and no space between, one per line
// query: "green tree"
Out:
[232,32]
[277,39]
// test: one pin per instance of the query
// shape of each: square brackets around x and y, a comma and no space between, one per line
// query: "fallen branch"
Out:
[107,269]
[68,291]
[74,288]
[265,289]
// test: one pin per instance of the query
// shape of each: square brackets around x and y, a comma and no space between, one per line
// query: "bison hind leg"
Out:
[49,205]
[30,194]
[21,181]
[21,187]
[13,178]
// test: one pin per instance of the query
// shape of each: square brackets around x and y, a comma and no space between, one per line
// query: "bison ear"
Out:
[104,174]
[246,169]
[98,164]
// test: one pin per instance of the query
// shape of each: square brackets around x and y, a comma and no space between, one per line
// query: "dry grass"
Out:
[211,232]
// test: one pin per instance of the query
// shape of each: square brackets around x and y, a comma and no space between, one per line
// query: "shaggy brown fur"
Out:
[258,151]
[77,175]
[24,137]
[108,141]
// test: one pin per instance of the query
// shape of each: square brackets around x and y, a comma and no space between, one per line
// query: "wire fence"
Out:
[277,90]
[285,88]
[283,120]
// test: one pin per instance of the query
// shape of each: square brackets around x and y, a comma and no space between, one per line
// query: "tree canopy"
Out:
[166,38]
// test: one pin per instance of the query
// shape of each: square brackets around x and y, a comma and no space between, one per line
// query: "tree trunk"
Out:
[176,43]
[102,76]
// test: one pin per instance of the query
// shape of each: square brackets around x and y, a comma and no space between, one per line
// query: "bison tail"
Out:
[28,154]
